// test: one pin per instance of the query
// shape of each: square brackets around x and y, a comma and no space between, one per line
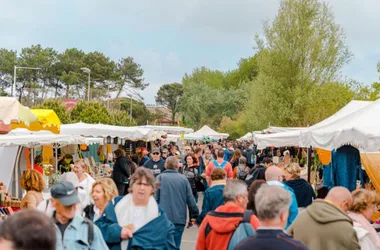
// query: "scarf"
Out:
[124,213]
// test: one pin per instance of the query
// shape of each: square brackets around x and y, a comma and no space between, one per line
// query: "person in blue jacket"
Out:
[213,196]
[135,221]
[273,176]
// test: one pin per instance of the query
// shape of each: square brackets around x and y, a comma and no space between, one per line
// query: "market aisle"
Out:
[189,238]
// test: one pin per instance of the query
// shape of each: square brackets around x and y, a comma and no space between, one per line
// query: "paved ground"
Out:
[190,235]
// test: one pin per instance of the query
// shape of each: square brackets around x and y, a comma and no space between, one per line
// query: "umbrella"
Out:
[47,120]
[11,111]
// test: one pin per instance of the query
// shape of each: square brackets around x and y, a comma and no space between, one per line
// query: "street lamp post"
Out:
[13,89]
[88,71]
[131,108]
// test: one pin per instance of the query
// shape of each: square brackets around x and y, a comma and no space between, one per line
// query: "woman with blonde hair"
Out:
[81,169]
[302,189]
[33,182]
[364,205]
[103,191]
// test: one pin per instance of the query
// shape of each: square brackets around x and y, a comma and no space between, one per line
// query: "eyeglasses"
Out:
[156,153]
[142,184]
[187,149]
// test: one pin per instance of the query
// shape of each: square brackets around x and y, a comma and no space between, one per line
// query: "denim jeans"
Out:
[178,234]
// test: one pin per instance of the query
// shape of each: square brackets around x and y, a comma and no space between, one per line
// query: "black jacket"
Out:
[89,212]
[121,170]
[249,154]
[303,191]
[270,239]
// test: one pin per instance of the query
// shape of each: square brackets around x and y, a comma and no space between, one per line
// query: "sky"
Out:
[172,37]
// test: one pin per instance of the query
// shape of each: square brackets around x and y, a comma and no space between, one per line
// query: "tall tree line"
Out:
[60,73]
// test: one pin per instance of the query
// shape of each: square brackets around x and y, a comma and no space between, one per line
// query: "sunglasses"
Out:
[156,153]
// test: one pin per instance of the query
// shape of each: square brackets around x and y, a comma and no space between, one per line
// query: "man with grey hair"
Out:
[218,228]
[273,211]
[273,176]
[174,195]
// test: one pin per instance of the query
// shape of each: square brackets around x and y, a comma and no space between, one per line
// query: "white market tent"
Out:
[102,130]
[292,137]
[272,129]
[174,130]
[29,139]
[206,131]
[360,128]
[248,136]
[11,147]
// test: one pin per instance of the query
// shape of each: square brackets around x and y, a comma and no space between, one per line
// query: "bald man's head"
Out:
[340,197]
[273,173]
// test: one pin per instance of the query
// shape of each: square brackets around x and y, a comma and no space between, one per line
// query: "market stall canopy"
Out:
[247,137]
[206,131]
[34,140]
[283,139]
[11,111]
[46,136]
[292,137]
[359,129]
[272,129]
[47,119]
[102,130]
[170,129]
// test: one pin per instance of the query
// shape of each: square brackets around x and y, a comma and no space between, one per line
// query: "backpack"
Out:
[216,164]
[242,230]
[90,233]
[252,175]
[241,174]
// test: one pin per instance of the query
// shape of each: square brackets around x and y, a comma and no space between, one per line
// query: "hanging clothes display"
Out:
[344,168]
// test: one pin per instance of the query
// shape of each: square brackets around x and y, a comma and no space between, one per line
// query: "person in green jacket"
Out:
[325,223]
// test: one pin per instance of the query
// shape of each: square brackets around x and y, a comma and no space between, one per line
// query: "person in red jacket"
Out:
[215,231]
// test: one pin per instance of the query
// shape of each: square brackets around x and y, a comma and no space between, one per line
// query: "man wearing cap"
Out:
[73,232]
[156,164]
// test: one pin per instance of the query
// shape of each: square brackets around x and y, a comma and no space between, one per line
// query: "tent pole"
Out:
[56,157]
[32,156]
[309,150]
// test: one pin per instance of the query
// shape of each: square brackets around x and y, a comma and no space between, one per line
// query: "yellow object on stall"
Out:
[371,163]
[27,156]
[11,111]
[47,154]
[47,120]
[324,156]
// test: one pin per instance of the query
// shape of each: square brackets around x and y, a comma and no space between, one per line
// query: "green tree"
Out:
[8,60]
[130,75]
[140,114]
[203,75]
[102,73]
[201,104]
[303,49]
[90,112]
[58,107]
[168,95]
[71,78]
[121,118]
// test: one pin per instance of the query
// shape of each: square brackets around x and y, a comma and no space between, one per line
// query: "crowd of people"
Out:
[249,202]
